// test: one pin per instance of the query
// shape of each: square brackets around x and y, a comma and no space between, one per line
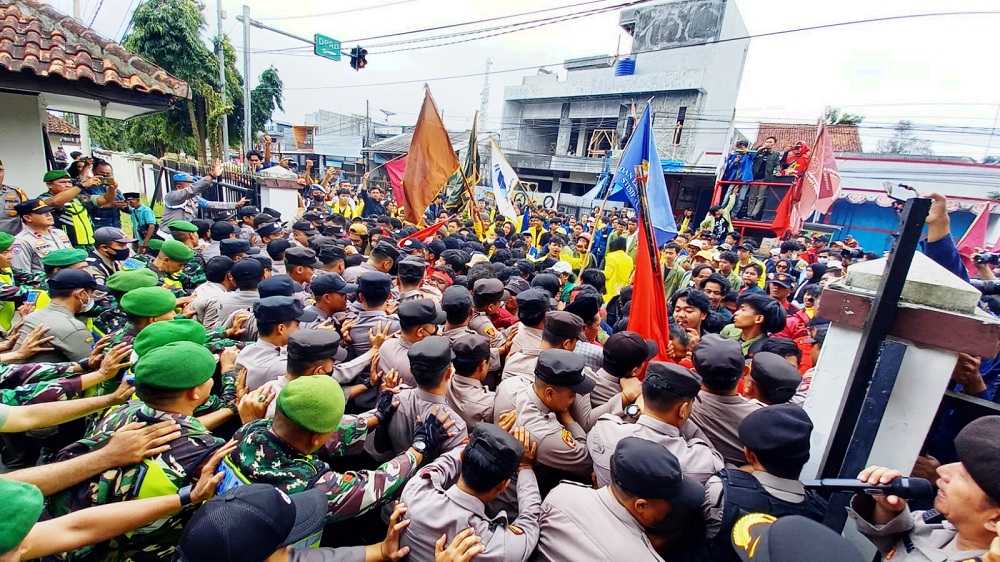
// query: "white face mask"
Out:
[87,306]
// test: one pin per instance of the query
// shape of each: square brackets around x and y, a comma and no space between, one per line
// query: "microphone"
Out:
[905,488]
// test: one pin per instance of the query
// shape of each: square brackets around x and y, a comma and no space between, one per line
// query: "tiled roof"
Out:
[59,126]
[36,38]
[844,138]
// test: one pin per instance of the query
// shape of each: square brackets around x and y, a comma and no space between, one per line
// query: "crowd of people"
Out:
[227,384]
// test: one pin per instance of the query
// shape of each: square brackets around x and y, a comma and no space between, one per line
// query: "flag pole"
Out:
[590,245]
[642,179]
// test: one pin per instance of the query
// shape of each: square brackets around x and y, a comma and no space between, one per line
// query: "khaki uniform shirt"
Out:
[482,325]
[526,338]
[582,524]
[31,246]
[203,294]
[436,506]
[219,308]
[393,355]
[264,362]
[72,340]
[455,333]
[697,458]
[470,399]
[719,417]
[562,448]
[608,385]
[352,273]
[9,221]
[921,536]
[414,404]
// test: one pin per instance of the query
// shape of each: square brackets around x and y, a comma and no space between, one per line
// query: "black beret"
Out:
[718,359]
[977,450]
[301,256]
[776,378]
[498,447]
[313,345]
[433,352]
[278,286]
[559,367]
[674,378]
[562,325]
[648,470]
[779,436]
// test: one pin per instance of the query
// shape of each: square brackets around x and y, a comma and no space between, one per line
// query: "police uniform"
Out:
[369,319]
[581,523]
[10,221]
[535,302]
[432,352]
[264,361]
[927,535]
[183,204]
[436,506]
[779,437]
[488,291]
[72,340]
[458,299]
[30,246]
[306,346]
[410,269]
[217,310]
[468,396]
[393,354]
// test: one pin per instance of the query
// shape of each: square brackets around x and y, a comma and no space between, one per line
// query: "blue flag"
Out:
[641,150]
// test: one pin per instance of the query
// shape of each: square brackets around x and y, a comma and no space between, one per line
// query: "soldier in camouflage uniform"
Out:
[309,417]
[193,273]
[171,380]
[15,284]
[35,383]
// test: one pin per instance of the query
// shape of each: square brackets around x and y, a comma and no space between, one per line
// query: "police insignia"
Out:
[567,438]
[744,538]
[516,530]
[890,554]
[490,332]
[16,248]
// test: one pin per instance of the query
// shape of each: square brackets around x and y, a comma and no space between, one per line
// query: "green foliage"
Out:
[145,134]
[835,117]
[904,141]
[265,98]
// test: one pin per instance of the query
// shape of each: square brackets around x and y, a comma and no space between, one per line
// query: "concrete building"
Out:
[558,133]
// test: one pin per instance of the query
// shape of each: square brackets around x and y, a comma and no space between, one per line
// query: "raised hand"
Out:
[115,360]
[389,548]
[35,342]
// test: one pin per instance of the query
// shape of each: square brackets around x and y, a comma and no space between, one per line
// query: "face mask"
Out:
[822,261]
[120,255]
[87,306]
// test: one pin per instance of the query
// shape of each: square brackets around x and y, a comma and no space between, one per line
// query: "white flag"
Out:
[504,179]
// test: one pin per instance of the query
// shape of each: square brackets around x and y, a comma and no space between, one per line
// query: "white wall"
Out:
[22,147]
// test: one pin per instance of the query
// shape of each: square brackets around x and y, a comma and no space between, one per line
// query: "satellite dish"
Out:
[387,112]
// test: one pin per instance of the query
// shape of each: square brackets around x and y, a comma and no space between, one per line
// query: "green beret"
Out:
[53,175]
[155,244]
[314,403]
[24,504]
[64,257]
[129,279]
[6,241]
[159,334]
[183,226]
[177,251]
[148,302]
[181,365]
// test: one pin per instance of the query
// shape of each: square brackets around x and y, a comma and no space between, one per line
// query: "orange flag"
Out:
[429,163]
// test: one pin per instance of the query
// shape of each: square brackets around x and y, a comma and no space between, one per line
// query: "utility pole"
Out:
[222,82]
[484,104]
[83,120]
[368,124]
[247,128]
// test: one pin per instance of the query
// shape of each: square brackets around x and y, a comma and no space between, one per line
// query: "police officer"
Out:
[310,417]
[308,352]
[418,319]
[265,360]
[624,356]
[532,306]
[72,292]
[374,288]
[647,485]
[247,275]
[773,380]
[966,510]
[38,237]
[10,221]
[184,201]
[382,258]
[234,248]
[430,364]
[668,395]
[777,447]
[410,277]
[330,293]
[456,301]
[487,295]
[451,494]
[301,264]
[246,215]
[267,232]
[219,231]
[467,395]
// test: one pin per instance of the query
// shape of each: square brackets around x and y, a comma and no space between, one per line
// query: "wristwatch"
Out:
[185,494]
[420,446]
[632,410]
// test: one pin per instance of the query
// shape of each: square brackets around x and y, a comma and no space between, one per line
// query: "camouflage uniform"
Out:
[262,457]
[35,383]
[172,282]
[180,465]
[192,275]
[110,317]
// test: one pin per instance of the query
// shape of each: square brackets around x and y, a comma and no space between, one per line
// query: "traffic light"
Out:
[358,58]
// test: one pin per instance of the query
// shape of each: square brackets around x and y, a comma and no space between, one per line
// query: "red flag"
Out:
[782,217]
[829,184]
[432,161]
[996,246]
[427,232]
[649,303]
[395,169]
[974,238]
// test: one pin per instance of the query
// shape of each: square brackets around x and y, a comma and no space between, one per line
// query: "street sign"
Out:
[327,47]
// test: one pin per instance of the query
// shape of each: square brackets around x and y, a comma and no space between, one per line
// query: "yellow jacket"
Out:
[618,267]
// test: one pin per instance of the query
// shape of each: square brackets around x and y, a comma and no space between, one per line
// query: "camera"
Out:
[986,287]
[852,253]
[986,258]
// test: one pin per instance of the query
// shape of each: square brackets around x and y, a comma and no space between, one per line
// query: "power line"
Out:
[130,18]
[93,18]
[327,14]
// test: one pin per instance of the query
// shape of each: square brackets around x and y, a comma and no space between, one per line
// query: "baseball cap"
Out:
[782,279]
[107,234]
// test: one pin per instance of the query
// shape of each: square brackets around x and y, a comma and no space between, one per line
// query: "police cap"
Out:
[559,367]
[673,378]
[418,312]
[301,256]
[432,352]
[648,470]
[977,449]
[331,283]
[561,325]
[374,281]
[779,437]
[411,267]
[775,377]
[471,348]
[275,310]
[313,345]
[278,286]
[456,297]
[626,350]
[498,447]
[719,360]
[231,247]
[533,302]
[245,271]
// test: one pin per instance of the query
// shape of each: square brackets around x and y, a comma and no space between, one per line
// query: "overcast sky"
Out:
[933,71]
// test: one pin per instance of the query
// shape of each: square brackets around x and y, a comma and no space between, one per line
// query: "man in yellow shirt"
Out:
[745,253]
[618,267]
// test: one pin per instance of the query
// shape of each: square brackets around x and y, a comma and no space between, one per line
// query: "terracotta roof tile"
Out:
[36,38]
[844,138]
[59,126]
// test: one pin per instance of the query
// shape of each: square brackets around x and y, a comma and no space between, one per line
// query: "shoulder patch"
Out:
[490,332]
[16,248]
[890,554]
[515,529]
[567,438]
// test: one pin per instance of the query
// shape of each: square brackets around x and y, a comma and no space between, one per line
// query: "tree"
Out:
[265,98]
[835,117]
[992,160]
[903,141]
